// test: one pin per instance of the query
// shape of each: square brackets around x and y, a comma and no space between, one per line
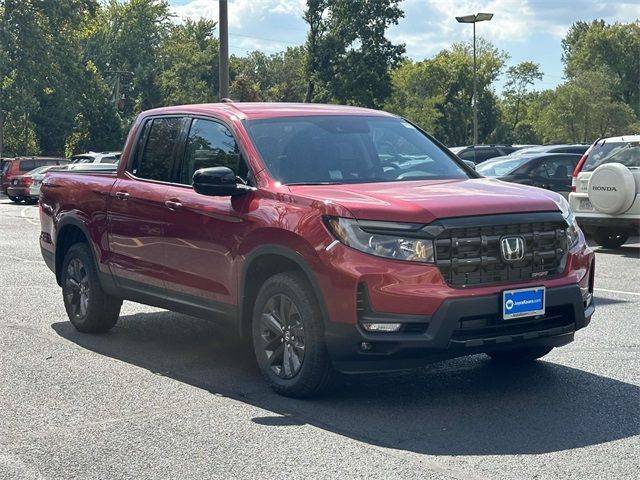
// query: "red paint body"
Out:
[200,250]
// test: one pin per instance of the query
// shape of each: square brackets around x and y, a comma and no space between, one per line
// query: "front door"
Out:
[137,211]
[203,232]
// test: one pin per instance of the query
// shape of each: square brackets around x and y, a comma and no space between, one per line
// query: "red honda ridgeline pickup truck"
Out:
[338,239]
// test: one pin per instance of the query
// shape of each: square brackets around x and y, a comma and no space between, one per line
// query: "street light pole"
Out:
[224,50]
[475,90]
[479,17]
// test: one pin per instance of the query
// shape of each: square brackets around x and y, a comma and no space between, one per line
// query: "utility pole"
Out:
[224,50]
[479,17]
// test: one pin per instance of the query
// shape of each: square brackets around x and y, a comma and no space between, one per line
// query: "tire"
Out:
[519,355]
[89,308]
[287,324]
[14,199]
[610,238]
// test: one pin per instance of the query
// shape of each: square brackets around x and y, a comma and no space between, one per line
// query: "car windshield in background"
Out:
[348,149]
[39,170]
[626,153]
[500,168]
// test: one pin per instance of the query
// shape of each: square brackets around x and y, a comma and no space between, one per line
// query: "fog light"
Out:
[382,327]
[365,346]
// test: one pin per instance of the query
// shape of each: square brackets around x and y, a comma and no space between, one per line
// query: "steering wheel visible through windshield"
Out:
[348,149]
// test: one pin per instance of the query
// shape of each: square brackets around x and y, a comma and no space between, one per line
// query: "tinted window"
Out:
[579,149]
[156,160]
[348,149]
[209,144]
[109,159]
[26,165]
[556,168]
[479,155]
[626,153]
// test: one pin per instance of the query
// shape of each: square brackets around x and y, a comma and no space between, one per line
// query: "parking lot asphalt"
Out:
[164,395]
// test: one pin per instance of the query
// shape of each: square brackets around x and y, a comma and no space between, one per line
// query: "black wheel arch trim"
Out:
[290,254]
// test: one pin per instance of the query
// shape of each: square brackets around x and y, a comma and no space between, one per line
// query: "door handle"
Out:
[173,205]
[122,195]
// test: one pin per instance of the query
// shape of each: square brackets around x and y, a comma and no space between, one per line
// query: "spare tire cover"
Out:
[612,188]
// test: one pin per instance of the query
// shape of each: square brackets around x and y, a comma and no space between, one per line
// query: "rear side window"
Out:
[109,159]
[556,168]
[26,165]
[210,144]
[158,142]
[626,153]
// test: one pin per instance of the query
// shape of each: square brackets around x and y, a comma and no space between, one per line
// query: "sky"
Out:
[528,30]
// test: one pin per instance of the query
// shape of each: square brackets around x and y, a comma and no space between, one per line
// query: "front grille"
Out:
[491,326]
[470,254]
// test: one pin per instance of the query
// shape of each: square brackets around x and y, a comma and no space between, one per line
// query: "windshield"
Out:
[348,149]
[500,168]
[626,153]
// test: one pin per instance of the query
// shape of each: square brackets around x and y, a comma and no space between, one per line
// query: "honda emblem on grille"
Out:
[512,248]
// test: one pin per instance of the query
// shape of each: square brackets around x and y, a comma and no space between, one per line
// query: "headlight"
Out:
[572,224]
[384,239]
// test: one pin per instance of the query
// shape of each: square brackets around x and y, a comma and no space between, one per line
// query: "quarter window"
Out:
[210,144]
[156,160]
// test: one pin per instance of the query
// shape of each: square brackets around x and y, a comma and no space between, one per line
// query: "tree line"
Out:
[75,73]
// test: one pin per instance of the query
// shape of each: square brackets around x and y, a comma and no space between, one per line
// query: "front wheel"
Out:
[610,238]
[89,308]
[288,337]
[14,199]
[519,355]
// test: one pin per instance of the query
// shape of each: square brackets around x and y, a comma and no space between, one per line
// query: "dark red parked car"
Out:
[13,184]
[336,238]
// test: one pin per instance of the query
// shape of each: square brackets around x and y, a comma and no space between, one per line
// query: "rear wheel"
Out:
[89,308]
[288,337]
[519,355]
[610,238]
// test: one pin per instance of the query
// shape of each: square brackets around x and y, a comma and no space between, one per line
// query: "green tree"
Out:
[583,109]
[349,59]
[280,77]
[519,78]
[614,48]
[188,63]
[124,41]
[437,93]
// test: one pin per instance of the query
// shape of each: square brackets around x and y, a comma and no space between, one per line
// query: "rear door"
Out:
[137,210]
[202,232]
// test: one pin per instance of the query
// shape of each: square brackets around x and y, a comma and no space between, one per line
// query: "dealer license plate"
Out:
[525,302]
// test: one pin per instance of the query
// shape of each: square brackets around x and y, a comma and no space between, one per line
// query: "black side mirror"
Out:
[218,182]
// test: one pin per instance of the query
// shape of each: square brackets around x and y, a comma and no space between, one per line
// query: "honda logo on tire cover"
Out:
[512,248]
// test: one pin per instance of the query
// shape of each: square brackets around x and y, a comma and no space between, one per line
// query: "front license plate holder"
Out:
[523,302]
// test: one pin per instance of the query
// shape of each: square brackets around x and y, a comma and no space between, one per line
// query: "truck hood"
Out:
[425,201]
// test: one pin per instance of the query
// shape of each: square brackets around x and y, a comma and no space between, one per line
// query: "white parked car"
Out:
[39,174]
[97,157]
[606,190]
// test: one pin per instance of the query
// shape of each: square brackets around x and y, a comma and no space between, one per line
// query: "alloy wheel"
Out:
[77,288]
[282,335]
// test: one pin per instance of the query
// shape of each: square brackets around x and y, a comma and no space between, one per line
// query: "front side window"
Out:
[210,144]
[158,143]
[348,149]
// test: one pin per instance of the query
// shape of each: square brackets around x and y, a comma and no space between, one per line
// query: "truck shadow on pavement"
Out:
[466,406]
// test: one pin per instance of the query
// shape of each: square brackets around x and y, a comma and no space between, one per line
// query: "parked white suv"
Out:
[605,190]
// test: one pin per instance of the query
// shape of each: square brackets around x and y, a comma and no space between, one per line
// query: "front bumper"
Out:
[460,326]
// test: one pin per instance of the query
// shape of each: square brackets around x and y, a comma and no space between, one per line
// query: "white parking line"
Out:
[31,220]
[617,291]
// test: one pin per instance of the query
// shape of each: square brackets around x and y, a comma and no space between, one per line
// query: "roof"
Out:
[252,111]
